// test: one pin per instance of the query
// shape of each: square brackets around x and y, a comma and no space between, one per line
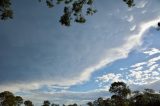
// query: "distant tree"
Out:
[53,104]
[95,103]
[108,102]
[74,10]
[19,100]
[120,91]
[73,104]
[28,103]
[90,104]
[8,98]
[100,101]
[46,103]
[158,24]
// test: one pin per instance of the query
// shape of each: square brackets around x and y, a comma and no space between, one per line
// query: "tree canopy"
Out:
[122,96]
[74,10]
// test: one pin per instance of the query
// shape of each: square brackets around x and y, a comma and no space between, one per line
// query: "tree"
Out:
[28,103]
[53,104]
[74,10]
[19,100]
[100,101]
[46,103]
[8,98]
[90,104]
[5,9]
[108,102]
[158,24]
[130,3]
[120,91]
[73,104]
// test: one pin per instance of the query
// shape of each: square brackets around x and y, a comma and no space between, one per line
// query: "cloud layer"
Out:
[145,73]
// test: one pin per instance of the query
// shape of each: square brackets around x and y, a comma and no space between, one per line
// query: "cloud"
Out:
[133,28]
[68,97]
[141,4]
[140,74]
[41,53]
[138,64]
[111,76]
[130,19]
[42,60]
[122,51]
[153,51]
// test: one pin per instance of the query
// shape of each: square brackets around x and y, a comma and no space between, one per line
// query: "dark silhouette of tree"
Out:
[130,3]
[5,9]
[100,101]
[74,10]
[8,98]
[158,24]
[90,104]
[108,102]
[146,98]
[19,100]
[120,89]
[53,104]
[28,103]
[121,97]
[73,104]
[46,103]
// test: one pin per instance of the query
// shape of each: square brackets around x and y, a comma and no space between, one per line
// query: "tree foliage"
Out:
[74,10]
[122,96]
[120,89]
[130,3]
[46,103]
[5,9]
[28,103]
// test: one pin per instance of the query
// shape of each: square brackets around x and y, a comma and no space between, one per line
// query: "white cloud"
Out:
[138,74]
[123,69]
[122,51]
[138,64]
[133,28]
[154,59]
[141,4]
[130,18]
[110,77]
[153,51]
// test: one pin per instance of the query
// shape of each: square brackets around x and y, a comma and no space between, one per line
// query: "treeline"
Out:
[121,96]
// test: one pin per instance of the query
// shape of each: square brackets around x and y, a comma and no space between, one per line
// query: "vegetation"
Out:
[122,96]
[74,10]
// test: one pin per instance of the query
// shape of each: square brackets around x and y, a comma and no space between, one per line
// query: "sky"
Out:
[42,60]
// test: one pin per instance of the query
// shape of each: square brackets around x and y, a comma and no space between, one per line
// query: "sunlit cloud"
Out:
[153,51]
[141,74]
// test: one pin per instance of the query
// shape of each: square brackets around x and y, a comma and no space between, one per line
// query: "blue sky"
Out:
[40,59]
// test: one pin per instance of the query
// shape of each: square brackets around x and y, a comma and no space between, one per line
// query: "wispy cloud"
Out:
[143,73]
[152,51]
